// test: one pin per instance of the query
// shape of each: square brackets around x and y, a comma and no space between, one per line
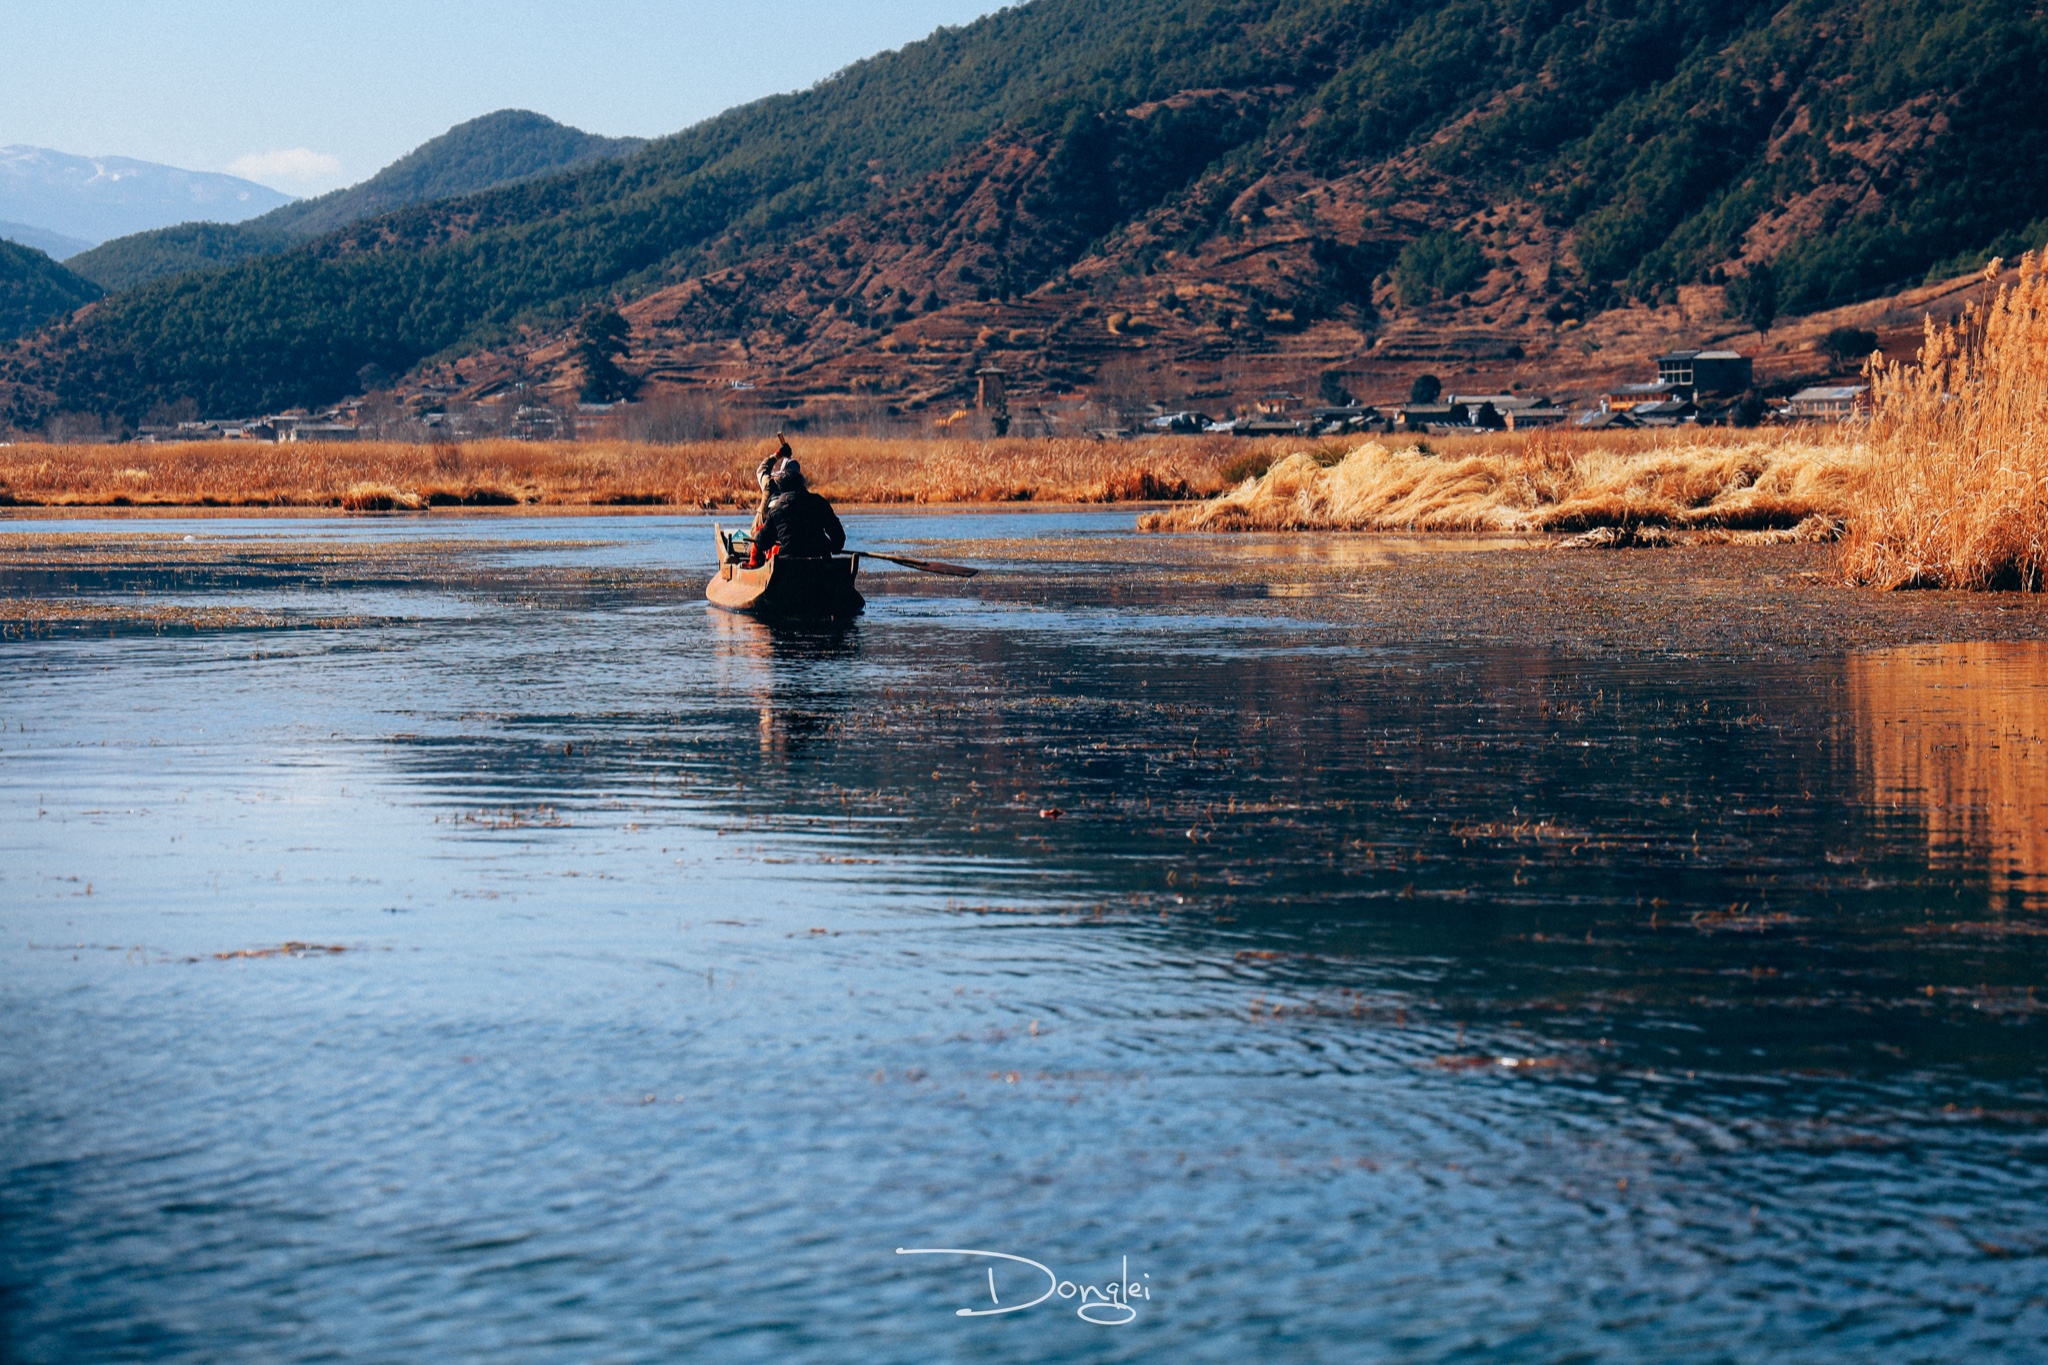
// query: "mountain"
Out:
[53,244]
[97,197]
[1155,193]
[34,289]
[497,149]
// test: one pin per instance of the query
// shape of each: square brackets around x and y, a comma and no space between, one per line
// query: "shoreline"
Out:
[528,511]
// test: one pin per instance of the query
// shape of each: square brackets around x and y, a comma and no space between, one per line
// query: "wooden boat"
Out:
[816,588]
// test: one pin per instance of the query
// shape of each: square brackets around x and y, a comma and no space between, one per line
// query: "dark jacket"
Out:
[802,524]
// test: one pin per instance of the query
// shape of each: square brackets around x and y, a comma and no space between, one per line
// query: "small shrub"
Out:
[1141,483]
[378,497]
[1250,465]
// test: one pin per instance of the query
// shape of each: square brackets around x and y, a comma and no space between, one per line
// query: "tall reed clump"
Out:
[1958,490]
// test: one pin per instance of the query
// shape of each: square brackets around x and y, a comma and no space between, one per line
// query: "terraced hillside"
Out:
[1181,194]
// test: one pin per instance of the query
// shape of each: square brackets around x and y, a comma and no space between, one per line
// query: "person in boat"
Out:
[794,521]
[765,475]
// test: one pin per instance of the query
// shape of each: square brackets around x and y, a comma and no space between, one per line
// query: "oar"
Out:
[926,565]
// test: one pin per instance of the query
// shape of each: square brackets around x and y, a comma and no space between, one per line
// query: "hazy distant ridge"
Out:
[53,244]
[94,198]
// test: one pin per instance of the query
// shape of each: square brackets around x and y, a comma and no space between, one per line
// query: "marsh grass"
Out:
[382,477]
[1957,494]
[1699,480]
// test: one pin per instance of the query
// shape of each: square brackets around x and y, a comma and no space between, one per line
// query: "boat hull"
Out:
[815,588]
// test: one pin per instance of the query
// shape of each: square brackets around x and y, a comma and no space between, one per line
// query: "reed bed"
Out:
[389,476]
[1957,495]
[1944,486]
[1699,480]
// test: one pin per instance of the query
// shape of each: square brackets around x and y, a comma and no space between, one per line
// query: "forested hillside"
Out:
[497,149]
[34,290]
[1533,160]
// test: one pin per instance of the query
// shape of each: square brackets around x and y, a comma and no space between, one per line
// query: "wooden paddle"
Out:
[925,565]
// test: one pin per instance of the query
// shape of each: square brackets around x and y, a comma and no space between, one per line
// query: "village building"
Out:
[1424,416]
[1334,421]
[1836,403]
[540,423]
[1492,411]
[992,398]
[1268,426]
[1665,412]
[320,431]
[1627,397]
[1705,372]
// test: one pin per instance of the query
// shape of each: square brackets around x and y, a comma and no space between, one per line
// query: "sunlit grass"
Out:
[1547,481]
[394,476]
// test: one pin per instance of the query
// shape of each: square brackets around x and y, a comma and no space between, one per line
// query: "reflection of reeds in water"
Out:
[1560,481]
[1957,732]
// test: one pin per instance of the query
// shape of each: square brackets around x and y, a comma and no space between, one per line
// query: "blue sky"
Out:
[307,97]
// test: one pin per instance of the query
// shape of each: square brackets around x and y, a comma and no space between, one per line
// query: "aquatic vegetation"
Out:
[378,497]
[290,948]
[23,618]
[1958,490]
[1553,481]
[400,476]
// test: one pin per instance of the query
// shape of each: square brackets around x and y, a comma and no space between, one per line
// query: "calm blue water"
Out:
[1419,966]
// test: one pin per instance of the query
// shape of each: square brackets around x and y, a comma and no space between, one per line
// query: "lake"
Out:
[447,938]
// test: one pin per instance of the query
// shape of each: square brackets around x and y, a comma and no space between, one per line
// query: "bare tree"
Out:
[1122,388]
[674,418]
[80,428]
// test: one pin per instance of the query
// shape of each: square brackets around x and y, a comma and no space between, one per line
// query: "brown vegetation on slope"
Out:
[900,303]
[376,476]
[1958,491]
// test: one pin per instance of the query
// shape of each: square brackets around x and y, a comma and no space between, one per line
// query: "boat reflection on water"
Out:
[1955,733]
[794,639]
[778,663]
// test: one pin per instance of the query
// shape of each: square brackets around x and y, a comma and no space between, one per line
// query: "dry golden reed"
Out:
[1545,481]
[393,476]
[1958,491]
